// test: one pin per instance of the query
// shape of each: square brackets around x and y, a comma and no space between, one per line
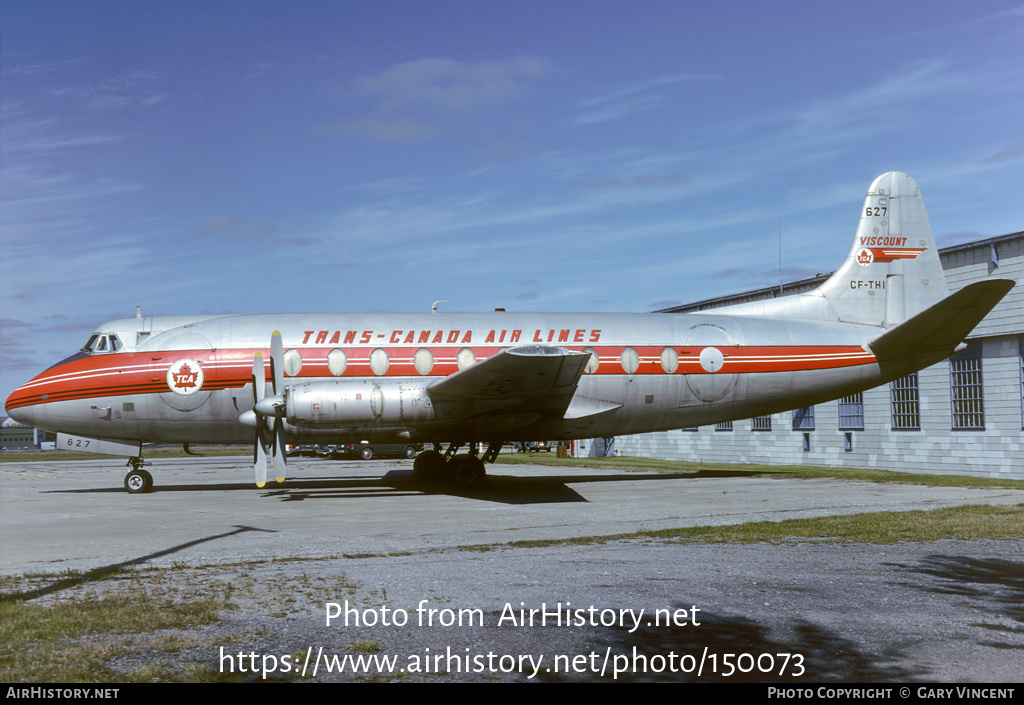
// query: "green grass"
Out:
[966,523]
[136,624]
[70,641]
[802,472]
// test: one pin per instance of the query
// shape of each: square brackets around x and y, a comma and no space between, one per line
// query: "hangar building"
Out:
[965,414]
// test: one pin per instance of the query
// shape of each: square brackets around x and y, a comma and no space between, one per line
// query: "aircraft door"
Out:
[185,360]
[712,345]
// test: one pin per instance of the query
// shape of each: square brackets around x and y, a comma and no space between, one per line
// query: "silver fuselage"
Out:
[650,374]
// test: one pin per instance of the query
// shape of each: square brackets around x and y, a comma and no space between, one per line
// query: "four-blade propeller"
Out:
[267,415]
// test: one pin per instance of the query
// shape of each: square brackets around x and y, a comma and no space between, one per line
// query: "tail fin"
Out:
[893,271]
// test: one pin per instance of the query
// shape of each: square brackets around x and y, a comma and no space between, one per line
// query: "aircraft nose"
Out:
[22,414]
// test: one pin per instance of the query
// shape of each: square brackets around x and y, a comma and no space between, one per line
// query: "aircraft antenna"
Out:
[780,255]
[433,309]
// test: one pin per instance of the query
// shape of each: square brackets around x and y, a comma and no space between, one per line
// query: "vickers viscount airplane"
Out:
[467,378]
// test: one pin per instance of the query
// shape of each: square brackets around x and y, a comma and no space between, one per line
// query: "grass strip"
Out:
[801,472]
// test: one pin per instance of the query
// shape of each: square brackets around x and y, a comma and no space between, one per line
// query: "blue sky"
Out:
[236,157]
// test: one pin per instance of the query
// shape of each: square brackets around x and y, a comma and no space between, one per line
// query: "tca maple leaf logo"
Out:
[185,377]
[865,257]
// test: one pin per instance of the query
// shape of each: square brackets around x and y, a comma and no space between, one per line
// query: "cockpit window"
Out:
[101,343]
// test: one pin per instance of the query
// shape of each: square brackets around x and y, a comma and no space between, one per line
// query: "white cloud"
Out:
[451,86]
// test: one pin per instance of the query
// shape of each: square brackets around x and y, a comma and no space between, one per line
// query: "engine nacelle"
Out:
[362,402]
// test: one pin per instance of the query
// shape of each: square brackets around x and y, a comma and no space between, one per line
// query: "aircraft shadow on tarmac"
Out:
[503,489]
[106,572]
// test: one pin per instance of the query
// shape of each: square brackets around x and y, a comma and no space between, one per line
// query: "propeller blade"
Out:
[277,362]
[259,446]
[280,464]
[265,412]
[259,378]
[260,465]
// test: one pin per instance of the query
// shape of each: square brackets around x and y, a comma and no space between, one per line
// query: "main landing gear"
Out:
[137,481]
[464,471]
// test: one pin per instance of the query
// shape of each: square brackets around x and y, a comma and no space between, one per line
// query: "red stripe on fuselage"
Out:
[118,374]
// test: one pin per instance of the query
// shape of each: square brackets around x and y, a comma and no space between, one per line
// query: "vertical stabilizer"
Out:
[892,271]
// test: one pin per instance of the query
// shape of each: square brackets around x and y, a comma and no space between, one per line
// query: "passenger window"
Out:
[292,363]
[669,360]
[630,360]
[379,361]
[337,361]
[424,361]
[465,358]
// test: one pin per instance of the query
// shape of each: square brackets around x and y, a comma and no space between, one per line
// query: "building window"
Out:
[761,423]
[965,388]
[724,426]
[689,428]
[803,419]
[851,412]
[903,399]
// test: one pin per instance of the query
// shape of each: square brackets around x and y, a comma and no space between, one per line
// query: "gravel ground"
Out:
[931,612]
[946,611]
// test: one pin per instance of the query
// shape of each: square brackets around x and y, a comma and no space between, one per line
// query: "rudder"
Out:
[892,271]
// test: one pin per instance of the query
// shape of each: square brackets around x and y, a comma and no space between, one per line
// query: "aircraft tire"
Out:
[429,466]
[466,472]
[366,453]
[138,482]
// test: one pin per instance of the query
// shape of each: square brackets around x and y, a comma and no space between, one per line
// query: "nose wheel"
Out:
[137,481]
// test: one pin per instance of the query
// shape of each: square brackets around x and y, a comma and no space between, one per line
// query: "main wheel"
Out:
[366,453]
[466,472]
[429,466]
[138,481]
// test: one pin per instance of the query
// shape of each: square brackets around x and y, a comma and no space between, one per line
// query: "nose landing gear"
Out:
[137,481]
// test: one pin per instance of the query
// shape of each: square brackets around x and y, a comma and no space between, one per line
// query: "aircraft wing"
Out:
[540,378]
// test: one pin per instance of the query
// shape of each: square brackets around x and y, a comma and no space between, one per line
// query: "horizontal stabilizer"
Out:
[942,326]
